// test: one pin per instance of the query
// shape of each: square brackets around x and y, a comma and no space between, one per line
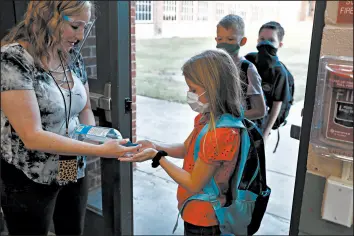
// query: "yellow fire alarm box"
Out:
[332,125]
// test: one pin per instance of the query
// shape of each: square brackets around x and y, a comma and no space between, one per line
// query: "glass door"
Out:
[303,133]
[106,54]
[109,209]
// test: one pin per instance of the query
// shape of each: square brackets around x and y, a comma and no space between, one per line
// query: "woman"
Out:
[44,96]
[214,90]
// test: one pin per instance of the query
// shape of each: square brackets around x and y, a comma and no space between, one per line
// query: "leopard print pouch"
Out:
[67,171]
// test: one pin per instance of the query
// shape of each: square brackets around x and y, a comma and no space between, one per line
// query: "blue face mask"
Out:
[232,49]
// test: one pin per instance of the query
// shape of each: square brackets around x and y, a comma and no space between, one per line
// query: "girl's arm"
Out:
[194,182]
[222,148]
[173,150]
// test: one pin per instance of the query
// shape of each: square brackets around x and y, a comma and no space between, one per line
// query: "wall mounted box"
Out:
[332,124]
[337,205]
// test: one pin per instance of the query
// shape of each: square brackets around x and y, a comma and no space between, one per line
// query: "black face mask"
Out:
[267,54]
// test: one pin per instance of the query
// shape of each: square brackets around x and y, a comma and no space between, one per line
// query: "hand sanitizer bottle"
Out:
[94,134]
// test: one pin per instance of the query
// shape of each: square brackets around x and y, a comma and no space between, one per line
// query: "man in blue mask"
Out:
[230,37]
[277,81]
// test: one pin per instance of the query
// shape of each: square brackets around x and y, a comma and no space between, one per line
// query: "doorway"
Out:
[108,67]
[126,202]
[172,32]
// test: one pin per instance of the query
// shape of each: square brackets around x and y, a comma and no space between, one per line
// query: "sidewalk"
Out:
[155,192]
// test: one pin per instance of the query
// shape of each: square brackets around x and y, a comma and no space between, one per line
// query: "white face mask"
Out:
[195,104]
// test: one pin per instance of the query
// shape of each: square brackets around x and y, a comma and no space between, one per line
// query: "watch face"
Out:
[267,88]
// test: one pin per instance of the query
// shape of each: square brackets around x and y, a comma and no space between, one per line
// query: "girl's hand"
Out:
[113,148]
[146,144]
[146,154]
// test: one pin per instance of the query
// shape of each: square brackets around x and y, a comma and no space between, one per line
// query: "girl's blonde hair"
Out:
[215,71]
[42,26]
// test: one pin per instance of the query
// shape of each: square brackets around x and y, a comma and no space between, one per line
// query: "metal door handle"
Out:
[295,132]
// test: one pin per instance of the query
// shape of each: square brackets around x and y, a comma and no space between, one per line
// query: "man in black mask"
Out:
[275,76]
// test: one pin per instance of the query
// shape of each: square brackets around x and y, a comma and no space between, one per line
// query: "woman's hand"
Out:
[113,148]
[146,154]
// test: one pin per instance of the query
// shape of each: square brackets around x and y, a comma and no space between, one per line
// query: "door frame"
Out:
[113,66]
[113,54]
[311,83]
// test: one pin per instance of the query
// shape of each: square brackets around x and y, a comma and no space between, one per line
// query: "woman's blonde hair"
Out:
[42,27]
[215,71]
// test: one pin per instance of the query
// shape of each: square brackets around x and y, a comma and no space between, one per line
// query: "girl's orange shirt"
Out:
[220,148]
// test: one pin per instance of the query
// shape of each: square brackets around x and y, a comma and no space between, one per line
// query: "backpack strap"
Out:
[225,121]
[211,190]
[244,66]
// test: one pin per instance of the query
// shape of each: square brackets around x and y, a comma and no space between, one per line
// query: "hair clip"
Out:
[66,18]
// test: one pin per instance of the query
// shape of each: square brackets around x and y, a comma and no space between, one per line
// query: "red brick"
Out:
[133,74]
[133,67]
[133,48]
[133,58]
[91,41]
[93,51]
[85,52]
[90,61]
[88,71]
[94,70]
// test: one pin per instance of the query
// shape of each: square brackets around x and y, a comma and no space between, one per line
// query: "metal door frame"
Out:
[315,50]
[113,65]
[113,55]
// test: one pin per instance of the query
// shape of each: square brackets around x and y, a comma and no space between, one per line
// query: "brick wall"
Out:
[133,68]
[89,55]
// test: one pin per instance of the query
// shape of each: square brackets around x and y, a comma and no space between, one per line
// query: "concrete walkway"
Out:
[155,204]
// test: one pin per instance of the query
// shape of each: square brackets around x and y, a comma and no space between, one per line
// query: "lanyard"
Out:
[67,114]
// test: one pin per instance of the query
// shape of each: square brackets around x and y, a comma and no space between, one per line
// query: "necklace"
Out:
[60,72]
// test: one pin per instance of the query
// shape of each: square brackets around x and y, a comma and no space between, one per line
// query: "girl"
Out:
[44,96]
[214,89]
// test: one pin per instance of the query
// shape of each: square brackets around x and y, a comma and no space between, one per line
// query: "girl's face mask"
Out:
[195,104]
